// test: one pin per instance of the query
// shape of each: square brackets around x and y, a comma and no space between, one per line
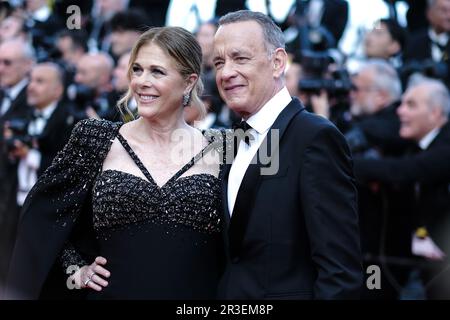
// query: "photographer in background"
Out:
[71,47]
[93,93]
[424,116]
[373,132]
[324,85]
[48,128]
[385,41]
[16,60]
[429,49]
[126,27]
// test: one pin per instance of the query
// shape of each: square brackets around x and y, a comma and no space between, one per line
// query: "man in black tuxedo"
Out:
[291,225]
[49,128]
[424,119]
[16,59]
[432,45]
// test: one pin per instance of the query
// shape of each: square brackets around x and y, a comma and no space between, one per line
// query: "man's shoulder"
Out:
[307,122]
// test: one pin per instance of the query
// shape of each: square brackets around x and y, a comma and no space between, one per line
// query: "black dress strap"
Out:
[147,174]
[135,158]
[191,163]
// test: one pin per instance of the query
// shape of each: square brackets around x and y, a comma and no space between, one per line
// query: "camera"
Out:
[318,76]
[19,128]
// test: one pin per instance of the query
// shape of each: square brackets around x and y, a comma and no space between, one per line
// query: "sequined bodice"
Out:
[121,198]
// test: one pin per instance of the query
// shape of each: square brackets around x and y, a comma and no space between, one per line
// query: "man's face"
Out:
[121,73]
[245,72]
[205,37]
[87,72]
[13,65]
[364,94]
[378,43]
[416,117]
[10,27]
[439,16]
[123,41]
[44,87]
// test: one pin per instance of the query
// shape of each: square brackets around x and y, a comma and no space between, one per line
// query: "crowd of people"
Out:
[87,117]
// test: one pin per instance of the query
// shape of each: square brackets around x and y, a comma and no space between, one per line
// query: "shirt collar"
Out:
[266,116]
[425,142]
[438,38]
[48,110]
[14,91]
[41,14]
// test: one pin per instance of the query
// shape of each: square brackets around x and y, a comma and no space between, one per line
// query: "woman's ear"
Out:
[190,81]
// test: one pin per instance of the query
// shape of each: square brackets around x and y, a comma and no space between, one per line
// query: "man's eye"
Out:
[241,59]
[218,64]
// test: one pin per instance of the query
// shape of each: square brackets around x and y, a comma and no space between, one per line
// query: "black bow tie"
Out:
[38,115]
[245,127]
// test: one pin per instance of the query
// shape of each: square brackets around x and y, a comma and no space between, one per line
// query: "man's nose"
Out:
[228,71]
[401,109]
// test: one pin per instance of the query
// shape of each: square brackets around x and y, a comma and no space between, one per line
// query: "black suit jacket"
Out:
[55,135]
[8,185]
[294,235]
[429,170]
[19,109]
[419,47]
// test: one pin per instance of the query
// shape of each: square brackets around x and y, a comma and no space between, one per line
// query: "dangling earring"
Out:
[186,98]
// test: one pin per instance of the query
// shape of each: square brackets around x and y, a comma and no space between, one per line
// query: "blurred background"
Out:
[378,69]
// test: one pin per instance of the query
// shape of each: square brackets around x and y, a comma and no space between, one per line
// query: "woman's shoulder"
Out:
[93,136]
[96,127]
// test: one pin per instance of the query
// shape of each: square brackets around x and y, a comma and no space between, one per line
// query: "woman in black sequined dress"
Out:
[132,211]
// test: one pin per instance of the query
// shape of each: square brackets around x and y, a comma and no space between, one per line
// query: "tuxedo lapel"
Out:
[249,185]
[225,194]
[55,120]
[18,105]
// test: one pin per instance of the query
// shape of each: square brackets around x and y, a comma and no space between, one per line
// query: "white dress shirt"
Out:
[425,142]
[261,123]
[442,39]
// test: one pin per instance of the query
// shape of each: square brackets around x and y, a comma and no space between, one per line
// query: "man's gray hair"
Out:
[273,35]
[386,78]
[431,3]
[438,95]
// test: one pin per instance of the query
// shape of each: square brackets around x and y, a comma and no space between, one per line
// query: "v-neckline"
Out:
[175,176]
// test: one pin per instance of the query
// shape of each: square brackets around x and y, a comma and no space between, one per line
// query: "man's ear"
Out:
[279,60]
[394,47]
[190,81]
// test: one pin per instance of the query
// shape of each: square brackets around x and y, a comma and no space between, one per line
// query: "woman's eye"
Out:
[158,71]
[136,70]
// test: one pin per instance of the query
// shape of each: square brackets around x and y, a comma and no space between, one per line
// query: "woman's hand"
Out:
[92,276]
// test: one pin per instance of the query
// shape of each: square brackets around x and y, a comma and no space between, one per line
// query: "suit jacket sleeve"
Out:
[329,201]
[429,166]
[51,210]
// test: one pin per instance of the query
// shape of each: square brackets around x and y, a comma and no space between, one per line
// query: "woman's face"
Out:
[157,85]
